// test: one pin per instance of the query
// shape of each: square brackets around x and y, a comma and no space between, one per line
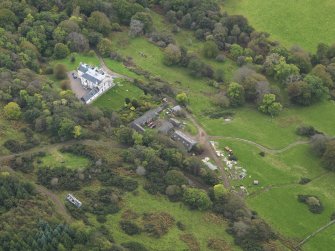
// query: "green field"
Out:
[292,22]
[248,123]
[56,159]
[197,223]
[275,198]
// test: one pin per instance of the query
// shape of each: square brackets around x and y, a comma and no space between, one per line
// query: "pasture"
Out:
[196,223]
[248,123]
[275,198]
[300,22]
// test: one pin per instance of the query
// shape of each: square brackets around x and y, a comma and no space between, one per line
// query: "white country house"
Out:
[94,79]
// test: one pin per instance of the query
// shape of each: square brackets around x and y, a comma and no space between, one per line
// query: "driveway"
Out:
[76,86]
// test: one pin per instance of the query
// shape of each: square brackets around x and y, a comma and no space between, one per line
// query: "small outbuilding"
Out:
[73,200]
[188,142]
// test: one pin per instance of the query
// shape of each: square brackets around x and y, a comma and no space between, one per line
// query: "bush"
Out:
[313,203]
[14,146]
[181,226]
[304,181]
[60,71]
[262,154]
[157,224]
[134,246]
[307,131]
[101,218]
[129,227]
[65,85]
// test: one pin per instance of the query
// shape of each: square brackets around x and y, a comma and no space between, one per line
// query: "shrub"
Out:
[101,218]
[181,226]
[196,199]
[313,203]
[307,131]
[129,227]
[262,154]
[157,224]
[65,85]
[14,146]
[304,181]
[12,111]
[60,71]
[134,246]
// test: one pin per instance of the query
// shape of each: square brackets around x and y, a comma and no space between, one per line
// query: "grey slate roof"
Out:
[91,78]
[90,94]
[166,127]
[184,139]
[82,68]
[149,115]
[177,108]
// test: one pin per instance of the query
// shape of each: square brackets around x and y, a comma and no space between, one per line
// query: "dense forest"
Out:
[36,93]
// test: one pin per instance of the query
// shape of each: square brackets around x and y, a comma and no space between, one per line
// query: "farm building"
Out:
[94,79]
[184,139]
[166,127]
[146,118]
[176,108]
[175,122]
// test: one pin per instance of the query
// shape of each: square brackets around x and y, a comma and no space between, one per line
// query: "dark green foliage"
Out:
[129,227]
[109,178]
[328,157]
[60,178]
[60,71]
[12,190]
[307,131]
[313,202]
[134,246]
[304,181]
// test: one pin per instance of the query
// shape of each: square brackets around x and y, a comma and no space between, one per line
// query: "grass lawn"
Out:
[118,67]
[202,225]
[84,58]
[300,22]
[115,98]
[56,159]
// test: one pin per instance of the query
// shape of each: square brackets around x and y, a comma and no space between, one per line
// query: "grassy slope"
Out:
[197,223]
[279,205]
[8,130]
[299,22]
[275,133]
